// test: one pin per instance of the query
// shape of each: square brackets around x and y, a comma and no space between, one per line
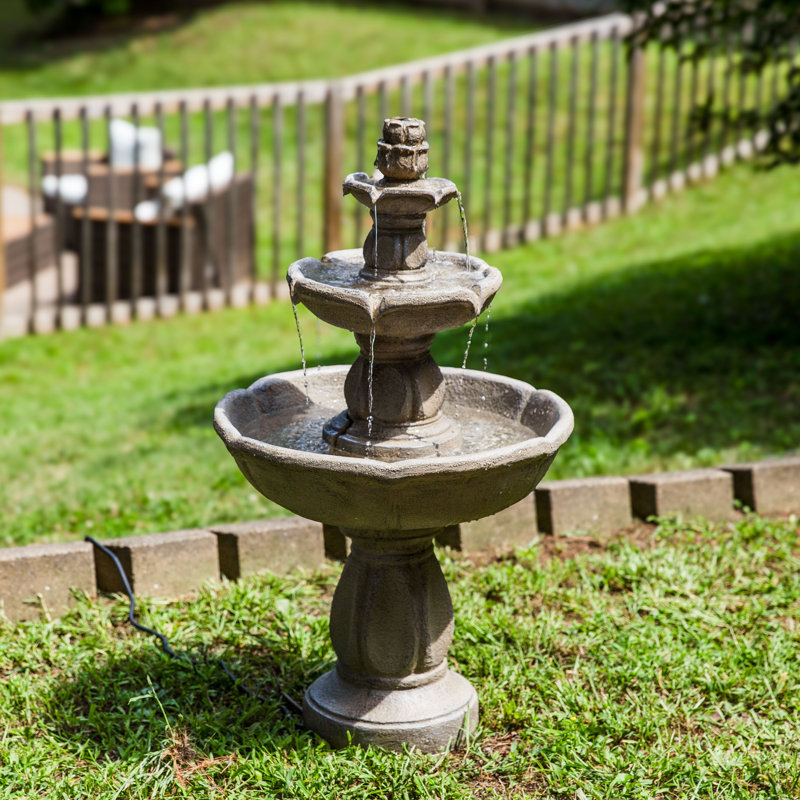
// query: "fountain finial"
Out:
[396,250]
[403,151]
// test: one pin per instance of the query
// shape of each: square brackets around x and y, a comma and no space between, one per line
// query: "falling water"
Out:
[463,213]
[375,229]
[369,389]
[486,339]
[468,265]
[469,342]
[302,350]
[318,339]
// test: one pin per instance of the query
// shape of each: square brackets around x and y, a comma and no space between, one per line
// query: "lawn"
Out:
[244,42]
[664,666]
[672,334]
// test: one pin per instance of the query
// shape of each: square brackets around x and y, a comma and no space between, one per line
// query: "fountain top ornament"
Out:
[415,450]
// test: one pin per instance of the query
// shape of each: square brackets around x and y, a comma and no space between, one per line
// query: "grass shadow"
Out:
[139,706]
[664,362]
[702,351]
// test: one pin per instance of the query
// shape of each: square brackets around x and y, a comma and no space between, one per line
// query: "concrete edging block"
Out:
[600,504]
[46,571]
[770,486]
[692,492]
[160,564]
[515,526]
[277,545]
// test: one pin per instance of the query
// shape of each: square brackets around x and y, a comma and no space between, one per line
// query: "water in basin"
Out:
[300,428]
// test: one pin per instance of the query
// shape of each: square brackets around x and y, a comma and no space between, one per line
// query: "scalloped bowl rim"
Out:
[523,450]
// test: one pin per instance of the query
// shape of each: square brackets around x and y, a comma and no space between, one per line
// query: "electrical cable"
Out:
[289,705]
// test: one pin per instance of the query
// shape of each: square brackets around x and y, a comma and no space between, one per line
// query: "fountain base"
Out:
[431,718]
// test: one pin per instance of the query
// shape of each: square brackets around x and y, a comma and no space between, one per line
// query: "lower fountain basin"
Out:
[511,433]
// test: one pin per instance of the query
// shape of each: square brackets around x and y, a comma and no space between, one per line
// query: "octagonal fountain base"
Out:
[432,718]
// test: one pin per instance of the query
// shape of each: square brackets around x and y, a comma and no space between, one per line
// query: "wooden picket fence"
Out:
[542,133]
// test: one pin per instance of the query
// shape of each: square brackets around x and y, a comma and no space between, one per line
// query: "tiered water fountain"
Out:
[416,449]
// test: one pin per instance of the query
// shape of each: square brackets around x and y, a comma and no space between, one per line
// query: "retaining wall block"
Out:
[278,545]
[42,576]
[771,486]
[601,504]
[515,526]
[160,564]
[693,492]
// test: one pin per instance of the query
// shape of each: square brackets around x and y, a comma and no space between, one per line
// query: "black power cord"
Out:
[289,705]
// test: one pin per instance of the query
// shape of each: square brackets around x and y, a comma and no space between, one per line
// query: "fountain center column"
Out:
[394,393]
[391,617]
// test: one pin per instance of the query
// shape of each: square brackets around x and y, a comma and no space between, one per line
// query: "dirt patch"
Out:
[640,535]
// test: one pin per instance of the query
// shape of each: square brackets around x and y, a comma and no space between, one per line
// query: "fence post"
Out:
[332,181]
[633,154]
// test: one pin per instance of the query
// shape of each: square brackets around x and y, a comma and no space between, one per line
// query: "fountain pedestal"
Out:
[391,627]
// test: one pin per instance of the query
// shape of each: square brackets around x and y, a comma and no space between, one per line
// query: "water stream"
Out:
[472,327]
[318,338]
[463,213]
[369,390]
[302,350]
[375,229]
[486,338]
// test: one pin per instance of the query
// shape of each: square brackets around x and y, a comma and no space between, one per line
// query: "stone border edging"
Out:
[41,578]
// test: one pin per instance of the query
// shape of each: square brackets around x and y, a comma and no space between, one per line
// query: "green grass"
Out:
[672,334]
[240,43]
[660,667]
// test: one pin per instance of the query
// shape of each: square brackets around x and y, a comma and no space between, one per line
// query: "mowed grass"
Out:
[244,42]
[673,335]
[663,666]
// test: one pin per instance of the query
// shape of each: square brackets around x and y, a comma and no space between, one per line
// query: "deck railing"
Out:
[542,133]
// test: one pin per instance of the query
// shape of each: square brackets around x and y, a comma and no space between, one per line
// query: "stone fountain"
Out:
[392,450]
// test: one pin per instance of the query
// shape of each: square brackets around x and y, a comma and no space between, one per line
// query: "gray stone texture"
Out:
[160,564]
[771,486]
[335,542]
[601,504]
[420,474]
[42,576]
[278,545]
[694,492]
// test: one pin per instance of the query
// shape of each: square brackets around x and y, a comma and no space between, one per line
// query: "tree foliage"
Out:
[758,32]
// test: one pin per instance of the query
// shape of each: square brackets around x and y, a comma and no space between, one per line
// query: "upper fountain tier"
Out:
[398,201]
[395,298]
[393,286]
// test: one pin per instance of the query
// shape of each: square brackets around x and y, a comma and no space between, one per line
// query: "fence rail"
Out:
[542,133]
